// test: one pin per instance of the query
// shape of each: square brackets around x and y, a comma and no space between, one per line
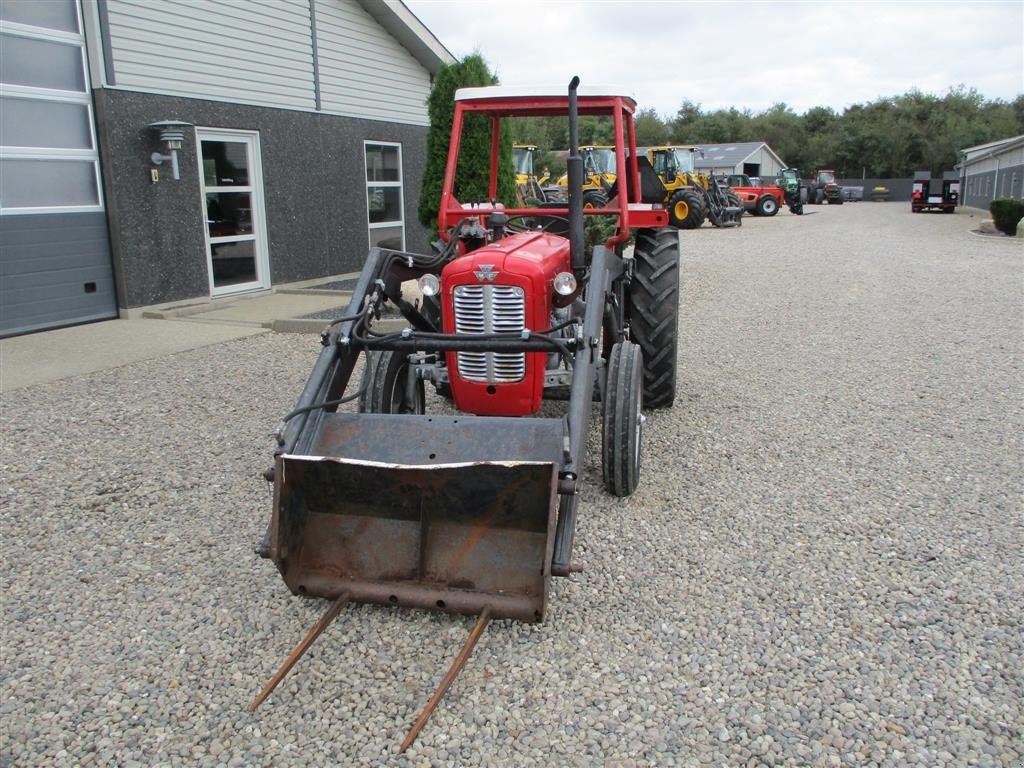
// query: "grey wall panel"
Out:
[313,178]
[980,189]
[240,50]
[55,270]
[364,71]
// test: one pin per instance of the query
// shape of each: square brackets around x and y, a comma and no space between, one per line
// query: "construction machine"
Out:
[599,174]
[472,509]
[531,188]
[692,197]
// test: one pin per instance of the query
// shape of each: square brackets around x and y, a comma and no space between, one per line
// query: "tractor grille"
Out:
[490,309]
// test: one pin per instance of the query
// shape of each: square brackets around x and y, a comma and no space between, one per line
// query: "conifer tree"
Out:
[471,176]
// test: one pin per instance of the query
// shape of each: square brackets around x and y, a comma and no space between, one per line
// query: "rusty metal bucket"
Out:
[448,513]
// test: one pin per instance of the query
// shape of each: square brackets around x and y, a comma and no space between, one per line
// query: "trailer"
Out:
[930,194]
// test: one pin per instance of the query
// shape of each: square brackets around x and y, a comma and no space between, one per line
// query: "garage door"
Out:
[55,266]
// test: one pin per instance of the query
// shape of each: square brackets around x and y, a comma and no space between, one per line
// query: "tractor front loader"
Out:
[472,512]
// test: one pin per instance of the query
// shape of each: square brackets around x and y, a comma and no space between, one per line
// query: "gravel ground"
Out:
[823,565]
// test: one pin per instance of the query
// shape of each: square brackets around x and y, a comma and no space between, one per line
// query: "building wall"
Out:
[770,167]
[364,72]
[267,53]
[314,183]
[981,188]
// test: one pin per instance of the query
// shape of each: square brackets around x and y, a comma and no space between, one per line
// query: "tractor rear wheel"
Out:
[594,198]
[767,206]
[686,209]
[622,421]
[654,311]
[384,386]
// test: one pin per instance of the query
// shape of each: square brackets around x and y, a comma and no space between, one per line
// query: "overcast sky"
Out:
[742,54]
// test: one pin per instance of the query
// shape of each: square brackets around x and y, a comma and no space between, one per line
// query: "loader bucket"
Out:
[452,513]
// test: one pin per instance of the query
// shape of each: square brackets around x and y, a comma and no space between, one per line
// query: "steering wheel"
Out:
[545,221]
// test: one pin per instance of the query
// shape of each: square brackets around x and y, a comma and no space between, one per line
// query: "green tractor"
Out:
[789,182]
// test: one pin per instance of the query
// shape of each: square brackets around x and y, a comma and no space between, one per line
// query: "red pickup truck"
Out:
[758,198]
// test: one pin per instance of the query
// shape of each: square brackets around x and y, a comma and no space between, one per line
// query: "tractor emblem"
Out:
[486,273]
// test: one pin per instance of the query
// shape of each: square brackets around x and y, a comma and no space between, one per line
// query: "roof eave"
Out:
[402,24]
[998,148]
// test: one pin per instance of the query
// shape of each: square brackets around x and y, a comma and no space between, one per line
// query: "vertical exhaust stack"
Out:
[574,170]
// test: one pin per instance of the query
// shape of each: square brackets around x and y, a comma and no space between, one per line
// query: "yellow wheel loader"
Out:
[692,197]
[531,189]
[599,174]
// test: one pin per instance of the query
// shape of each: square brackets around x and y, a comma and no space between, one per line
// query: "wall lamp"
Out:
[172,133]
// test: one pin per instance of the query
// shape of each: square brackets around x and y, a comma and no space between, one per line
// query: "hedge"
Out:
[1006,212]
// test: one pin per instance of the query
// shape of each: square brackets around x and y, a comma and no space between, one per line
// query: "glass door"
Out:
[232,188]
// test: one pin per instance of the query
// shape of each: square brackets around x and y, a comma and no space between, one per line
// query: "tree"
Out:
[473,170]
[650,129]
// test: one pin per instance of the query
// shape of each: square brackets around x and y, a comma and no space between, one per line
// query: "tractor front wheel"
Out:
[622,421]
[767,206]
[686,209]
[594,198]
[654,311]
[385,385]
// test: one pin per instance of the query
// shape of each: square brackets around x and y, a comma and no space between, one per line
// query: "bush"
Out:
[473,171]
[1006,212]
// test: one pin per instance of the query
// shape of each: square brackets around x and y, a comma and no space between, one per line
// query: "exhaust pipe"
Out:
[574,170]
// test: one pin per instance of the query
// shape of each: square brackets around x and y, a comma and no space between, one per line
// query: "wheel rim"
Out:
[682,209]
[768,205]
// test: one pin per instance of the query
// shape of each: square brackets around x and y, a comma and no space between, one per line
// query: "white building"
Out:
[992,170]
[301,142]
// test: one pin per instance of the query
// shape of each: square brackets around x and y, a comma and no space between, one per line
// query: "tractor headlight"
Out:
[429,285]
[565,284]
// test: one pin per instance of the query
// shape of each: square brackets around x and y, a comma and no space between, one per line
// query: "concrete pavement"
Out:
[145,333]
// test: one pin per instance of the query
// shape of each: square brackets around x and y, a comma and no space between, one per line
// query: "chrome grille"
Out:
[490,309]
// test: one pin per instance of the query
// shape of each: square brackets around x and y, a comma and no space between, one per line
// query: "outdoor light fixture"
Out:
[172,133]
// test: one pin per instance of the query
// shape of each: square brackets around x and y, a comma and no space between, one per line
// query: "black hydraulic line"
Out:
[333,367]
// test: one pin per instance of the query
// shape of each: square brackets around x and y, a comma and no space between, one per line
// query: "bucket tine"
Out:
[330,615]
[457,665]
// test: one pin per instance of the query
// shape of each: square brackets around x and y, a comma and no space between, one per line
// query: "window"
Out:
[384,205]
[48,157]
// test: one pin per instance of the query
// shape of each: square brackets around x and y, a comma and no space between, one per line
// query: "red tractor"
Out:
[473,511]
[825,188]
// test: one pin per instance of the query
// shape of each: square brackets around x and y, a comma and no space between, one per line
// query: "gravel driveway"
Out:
[823,565]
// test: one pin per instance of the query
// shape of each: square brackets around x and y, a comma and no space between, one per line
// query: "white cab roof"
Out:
[525,91]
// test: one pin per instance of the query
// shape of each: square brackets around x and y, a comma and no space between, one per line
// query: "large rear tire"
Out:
[767,206]
[622,420]
[654,311]
[383,388]
[686,209]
